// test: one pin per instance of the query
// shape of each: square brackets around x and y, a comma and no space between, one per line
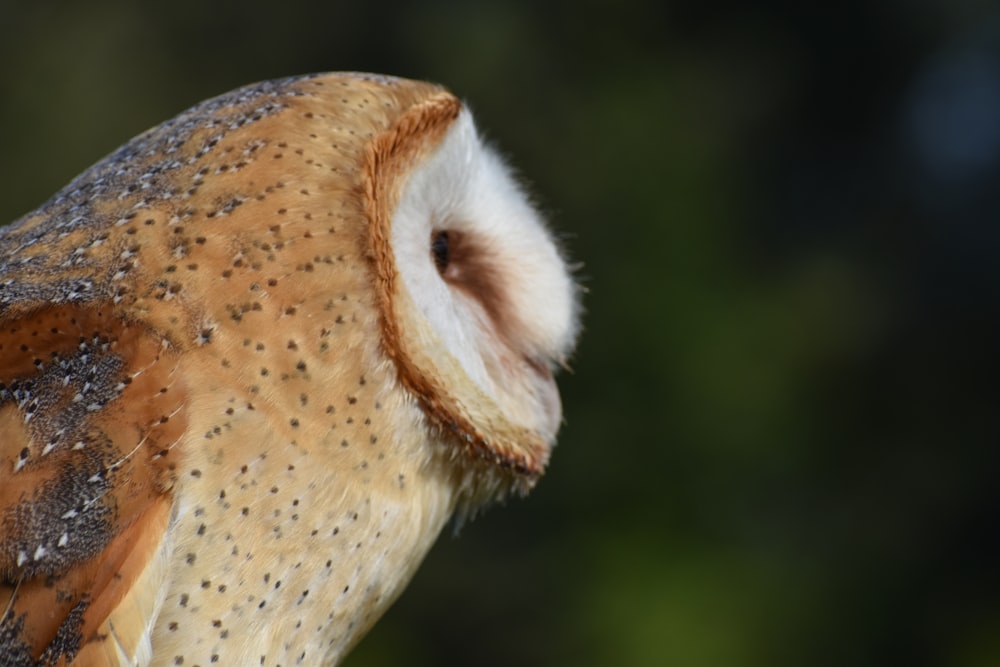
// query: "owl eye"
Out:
[440,250]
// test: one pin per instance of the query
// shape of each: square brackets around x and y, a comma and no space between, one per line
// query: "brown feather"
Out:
[88,407]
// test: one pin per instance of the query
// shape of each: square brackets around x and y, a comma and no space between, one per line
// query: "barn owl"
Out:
[253,361]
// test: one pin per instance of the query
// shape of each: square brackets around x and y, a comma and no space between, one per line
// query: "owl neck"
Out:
[292,540]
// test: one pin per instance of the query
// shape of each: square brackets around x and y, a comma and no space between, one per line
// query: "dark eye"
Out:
[440,251]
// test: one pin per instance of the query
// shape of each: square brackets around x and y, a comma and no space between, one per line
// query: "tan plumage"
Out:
[252,362]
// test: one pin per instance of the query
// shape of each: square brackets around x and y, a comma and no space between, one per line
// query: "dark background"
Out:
[781,429]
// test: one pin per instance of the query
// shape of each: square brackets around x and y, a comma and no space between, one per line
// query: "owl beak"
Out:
[549,405]
[552,406]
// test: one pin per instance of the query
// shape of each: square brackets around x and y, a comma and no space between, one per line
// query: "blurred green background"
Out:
[781,429]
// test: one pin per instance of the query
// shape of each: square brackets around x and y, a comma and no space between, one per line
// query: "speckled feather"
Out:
[219,444]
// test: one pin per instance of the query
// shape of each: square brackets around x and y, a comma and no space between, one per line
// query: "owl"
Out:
[253,361]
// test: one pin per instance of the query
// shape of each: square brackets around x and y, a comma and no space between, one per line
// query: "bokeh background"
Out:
[781,439]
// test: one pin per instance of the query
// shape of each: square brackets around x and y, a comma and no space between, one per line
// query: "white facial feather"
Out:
[464,187]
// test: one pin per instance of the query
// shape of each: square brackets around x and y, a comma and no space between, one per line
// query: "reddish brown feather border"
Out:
[417,131]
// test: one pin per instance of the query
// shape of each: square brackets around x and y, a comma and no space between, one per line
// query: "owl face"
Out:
[486,298]
[251,363]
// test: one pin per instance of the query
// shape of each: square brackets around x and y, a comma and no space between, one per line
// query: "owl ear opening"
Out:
[451,399]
